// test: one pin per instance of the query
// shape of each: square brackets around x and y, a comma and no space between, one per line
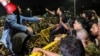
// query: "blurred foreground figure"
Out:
[13,23]
[69,46]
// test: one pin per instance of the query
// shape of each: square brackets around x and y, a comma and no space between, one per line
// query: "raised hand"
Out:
[46,9]
[4,2]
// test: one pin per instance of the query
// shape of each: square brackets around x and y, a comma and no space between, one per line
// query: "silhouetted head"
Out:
[71,46]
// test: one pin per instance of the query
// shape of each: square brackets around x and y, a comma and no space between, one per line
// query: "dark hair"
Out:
[71,22]
[91,22]
[71,46]
[82,21]
[88,13]
[64,17]
[62,8]
[16,12]
[89,26]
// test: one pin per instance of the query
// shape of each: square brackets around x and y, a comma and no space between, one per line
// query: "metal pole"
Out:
[74,8]
[30,12]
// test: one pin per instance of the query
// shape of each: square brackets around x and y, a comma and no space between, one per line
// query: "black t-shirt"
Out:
[64,17]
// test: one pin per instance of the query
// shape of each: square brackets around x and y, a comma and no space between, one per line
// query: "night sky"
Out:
[38,6]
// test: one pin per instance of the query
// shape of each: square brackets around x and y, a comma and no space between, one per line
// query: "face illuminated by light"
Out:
[77,25]
[94,29]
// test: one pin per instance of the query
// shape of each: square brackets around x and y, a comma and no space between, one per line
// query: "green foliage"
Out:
[92,50]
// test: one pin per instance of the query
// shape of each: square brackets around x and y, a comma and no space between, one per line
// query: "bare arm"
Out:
[32,19]
[51,12]
[48,53]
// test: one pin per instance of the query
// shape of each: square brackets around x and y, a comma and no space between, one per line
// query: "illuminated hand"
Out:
[58,38]
[36,49]
[30,30]
[46,9]
[2,0]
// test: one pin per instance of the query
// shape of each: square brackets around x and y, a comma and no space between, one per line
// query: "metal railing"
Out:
[53,47]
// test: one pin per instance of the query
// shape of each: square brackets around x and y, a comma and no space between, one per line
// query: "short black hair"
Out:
[71,46]
[88,13]
[82,21]
[91,22]
[89,26]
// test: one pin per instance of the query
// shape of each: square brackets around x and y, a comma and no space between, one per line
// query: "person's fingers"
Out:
[58,38]
[41,19]
[35,50]
[30,29]
[46,9]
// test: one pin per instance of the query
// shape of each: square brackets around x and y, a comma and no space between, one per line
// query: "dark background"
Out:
[38,6]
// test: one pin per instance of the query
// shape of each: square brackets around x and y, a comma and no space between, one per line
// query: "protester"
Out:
[79,26]
[14,22]
[69,46]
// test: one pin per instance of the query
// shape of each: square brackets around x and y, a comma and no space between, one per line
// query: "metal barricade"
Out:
[52,44]
[43,39]
[46,33]
[53,47]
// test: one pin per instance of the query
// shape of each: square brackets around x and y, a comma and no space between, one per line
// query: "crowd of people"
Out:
[86,35]
[82,31]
